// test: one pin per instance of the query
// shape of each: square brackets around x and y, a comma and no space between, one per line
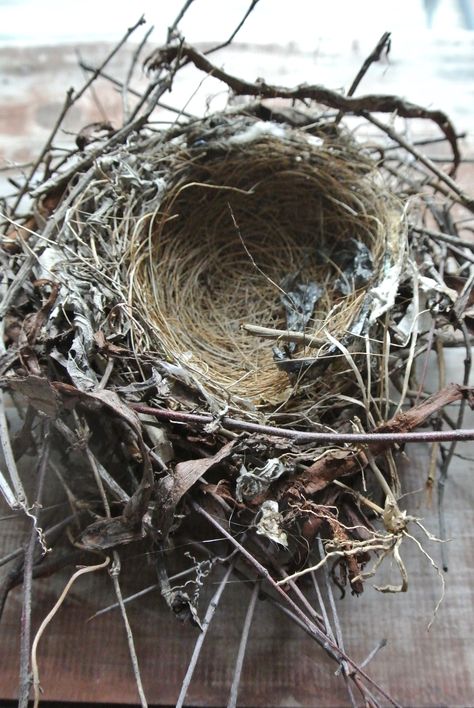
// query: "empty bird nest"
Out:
[261,230]
[222,319]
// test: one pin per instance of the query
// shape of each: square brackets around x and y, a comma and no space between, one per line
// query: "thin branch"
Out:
[319,94]
[47,620]
[200,640]
[172,28]
[18,499]
[72,98]
[228,41]
[306,437]
[443,475]
[114,574]
[132,91]
[25,634]
[383,45]
[464,198]
[234,690]
[284,335]
[131,69]
[315,631]
[446,238]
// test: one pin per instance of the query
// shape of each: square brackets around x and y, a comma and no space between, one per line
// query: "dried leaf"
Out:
[342,462]
[187,473]
[40,394]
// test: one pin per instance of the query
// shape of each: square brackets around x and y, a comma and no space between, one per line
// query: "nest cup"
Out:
[252,213]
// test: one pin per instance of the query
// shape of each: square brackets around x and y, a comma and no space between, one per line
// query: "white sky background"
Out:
[300,22]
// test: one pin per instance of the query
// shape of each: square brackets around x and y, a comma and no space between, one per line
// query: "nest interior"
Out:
[257,230]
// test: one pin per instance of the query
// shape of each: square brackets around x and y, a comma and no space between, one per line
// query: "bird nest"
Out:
[167,294]
[262,230]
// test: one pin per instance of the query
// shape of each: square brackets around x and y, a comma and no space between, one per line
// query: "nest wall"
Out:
[235,220]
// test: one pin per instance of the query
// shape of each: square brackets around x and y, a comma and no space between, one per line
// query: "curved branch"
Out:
[372,103]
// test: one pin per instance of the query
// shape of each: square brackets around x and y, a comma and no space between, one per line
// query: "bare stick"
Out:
[300,436]
[68,101]
[284,335]
[440,236]
[172,28]
[337,624]
[443,475]
[17,500]
[49,617]
[200,640]
[464,198]
[383,45]
[236,31]
[312,628]
[72,98]
[46,535]
[120,85]
[114,573]
[131,69]
[320,94]
[25,635]
[234,690]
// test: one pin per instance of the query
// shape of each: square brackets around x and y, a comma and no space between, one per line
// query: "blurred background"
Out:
[41,43]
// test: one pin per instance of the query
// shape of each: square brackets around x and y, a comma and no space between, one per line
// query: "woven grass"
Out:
[235,219]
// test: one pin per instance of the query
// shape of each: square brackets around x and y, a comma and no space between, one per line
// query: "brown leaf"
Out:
[187,473]
[343,462]
[107,533]
[40,393]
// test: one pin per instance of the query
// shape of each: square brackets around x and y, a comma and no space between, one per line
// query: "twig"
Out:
[72,98]
[200,640]
[337,624]
[131,69]
[236,31]
[173,27]
[380,645]
[303,437]
[284,335]
[140,593]
[320,94]
[132,91]
[383,45]
[49,617]
[68,102]
[315,631]
[114,573]
[443,475]
[234,690]
[446,238]
[18,499]
[52,531]
[25,634]
[464,198]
